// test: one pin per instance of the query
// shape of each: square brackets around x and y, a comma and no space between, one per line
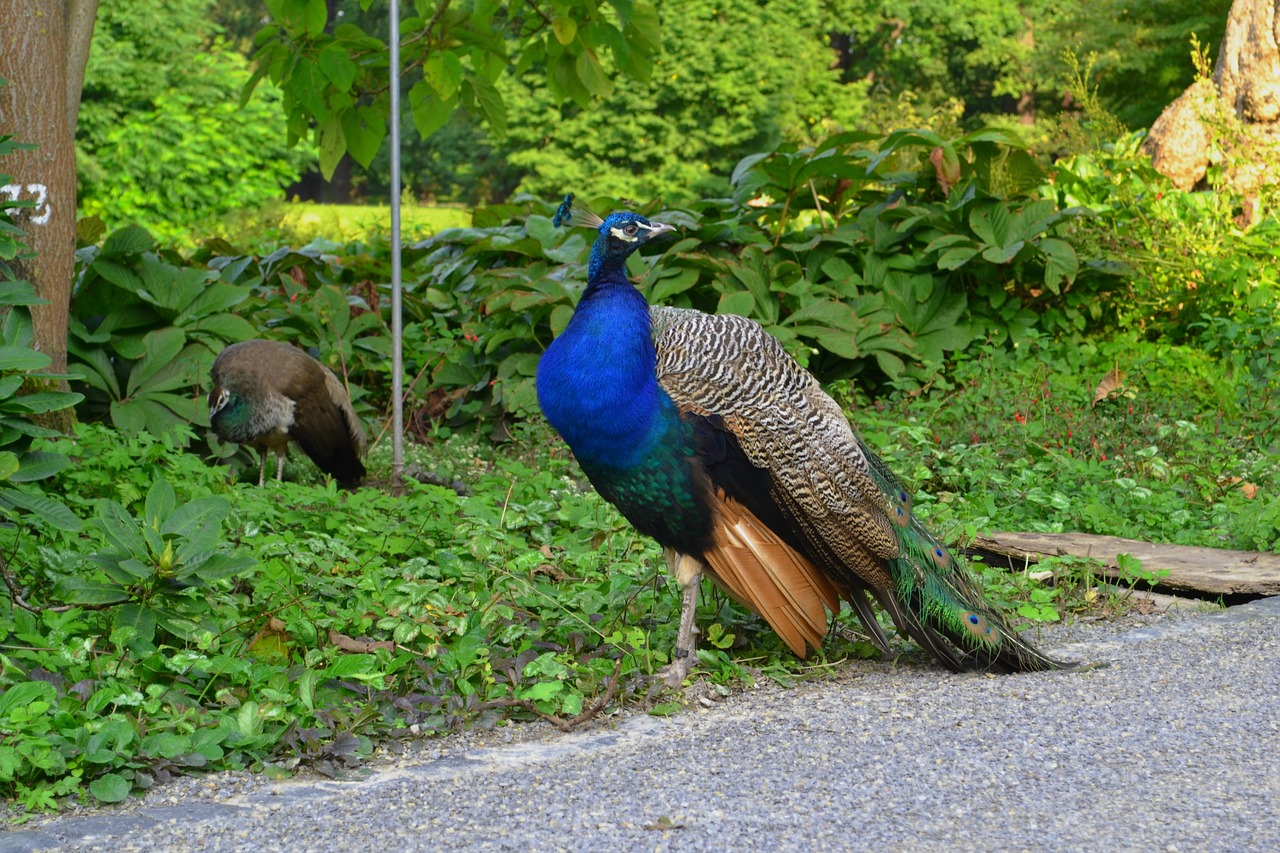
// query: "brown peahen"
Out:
[708,437]
[267,393]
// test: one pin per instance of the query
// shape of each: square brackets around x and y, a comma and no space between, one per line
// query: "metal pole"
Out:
[397,353]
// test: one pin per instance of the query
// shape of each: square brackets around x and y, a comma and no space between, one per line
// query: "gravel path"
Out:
[1174,745]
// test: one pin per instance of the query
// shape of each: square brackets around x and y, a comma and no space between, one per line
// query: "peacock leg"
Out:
[688,572]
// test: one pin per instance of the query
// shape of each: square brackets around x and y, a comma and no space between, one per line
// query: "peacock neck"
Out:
[597,383]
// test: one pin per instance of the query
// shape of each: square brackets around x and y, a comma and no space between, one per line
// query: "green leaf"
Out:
[46,401]
[39,465]
[542,691]
[160,501]
[25,693]
[443,71]
[225,327]
[1061,262]
[565,29]
[130,240]
[74,590]
[347,666]
[332,146]
[953,259]
[592,74]
[364,129]
[991,224]
[162,348]
[140,618]
[120,528]
[195,514]
[49,510]
[429,110]
[739,302]
[560,317]
[1003,254]
[643,29]
[491,104]
[314,16]
[219,566]
[22,358]
[835,314]
[112,787]
[19,293]
[338,67]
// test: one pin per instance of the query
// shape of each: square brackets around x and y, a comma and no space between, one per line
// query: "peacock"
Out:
[267,393]
[711,439]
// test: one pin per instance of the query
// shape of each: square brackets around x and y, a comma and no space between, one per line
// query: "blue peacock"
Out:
[708,437]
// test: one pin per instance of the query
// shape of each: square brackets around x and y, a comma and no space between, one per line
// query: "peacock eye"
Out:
[630,229]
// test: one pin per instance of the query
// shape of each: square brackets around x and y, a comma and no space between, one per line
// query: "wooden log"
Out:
[1202,570]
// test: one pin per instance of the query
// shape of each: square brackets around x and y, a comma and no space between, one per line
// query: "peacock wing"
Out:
[729,367]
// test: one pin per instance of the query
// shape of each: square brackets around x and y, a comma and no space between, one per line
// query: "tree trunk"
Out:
[34,109]
[1244,94]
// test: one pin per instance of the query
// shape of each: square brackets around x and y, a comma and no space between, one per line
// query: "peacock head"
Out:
[223,401]
[619,234]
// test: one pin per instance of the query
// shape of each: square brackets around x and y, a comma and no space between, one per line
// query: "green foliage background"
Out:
[162,139]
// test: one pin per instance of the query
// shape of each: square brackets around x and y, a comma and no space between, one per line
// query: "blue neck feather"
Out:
[596,382]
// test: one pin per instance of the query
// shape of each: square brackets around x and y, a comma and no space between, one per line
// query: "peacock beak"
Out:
[657,229]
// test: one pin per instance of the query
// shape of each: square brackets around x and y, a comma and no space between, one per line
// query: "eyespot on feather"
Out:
[940,557]
[977,625]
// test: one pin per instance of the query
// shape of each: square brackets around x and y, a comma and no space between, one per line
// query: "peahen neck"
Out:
[596,382]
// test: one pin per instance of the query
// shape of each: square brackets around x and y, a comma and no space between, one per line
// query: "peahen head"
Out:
[619,234]
[227,407]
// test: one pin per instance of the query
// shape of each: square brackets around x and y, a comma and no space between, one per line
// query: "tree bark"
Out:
[35,108]
[80,17]
[1245,90]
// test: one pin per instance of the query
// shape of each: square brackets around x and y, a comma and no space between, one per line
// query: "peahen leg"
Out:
[262,465]
[279,467]
[688,572]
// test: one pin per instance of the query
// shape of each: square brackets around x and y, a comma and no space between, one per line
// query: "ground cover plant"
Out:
[972,316]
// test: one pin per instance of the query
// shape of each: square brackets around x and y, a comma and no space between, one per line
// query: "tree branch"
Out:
[80,16]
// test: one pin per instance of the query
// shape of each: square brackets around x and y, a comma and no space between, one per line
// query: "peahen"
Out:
[267,393]
[708,437]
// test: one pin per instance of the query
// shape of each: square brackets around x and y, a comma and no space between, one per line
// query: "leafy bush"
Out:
[366,614]
[1169,455]
[875,257]
[145,327]
[162,141]
[1189,258]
